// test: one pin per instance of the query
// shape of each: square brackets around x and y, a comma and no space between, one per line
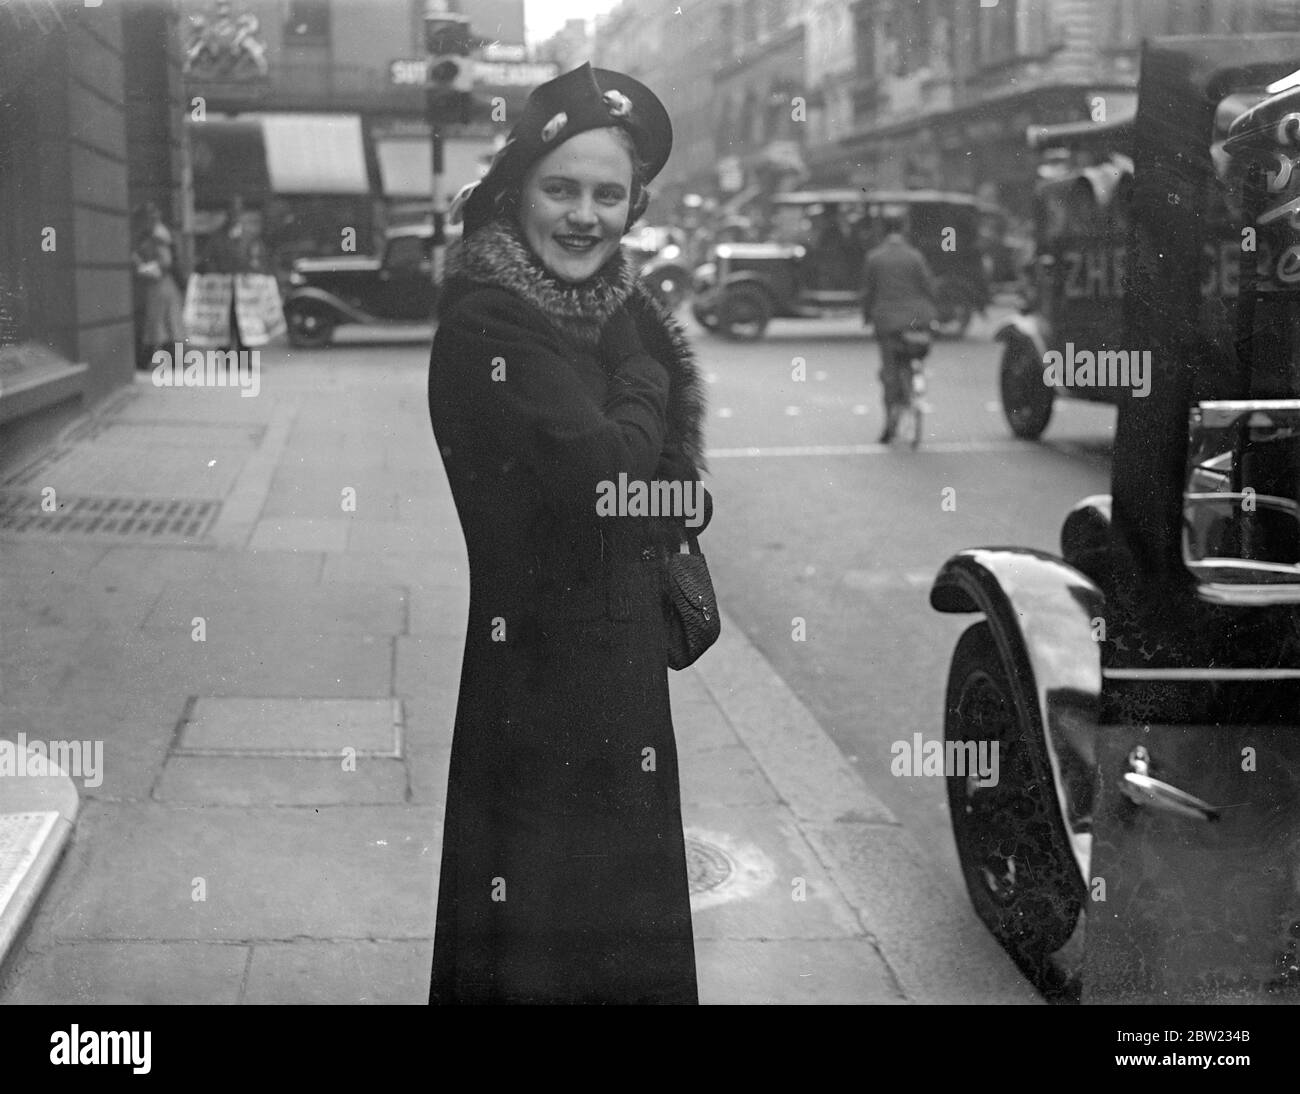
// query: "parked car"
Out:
[1074,290]
[745,285]
[393,288]
[1143,688]
[660,256]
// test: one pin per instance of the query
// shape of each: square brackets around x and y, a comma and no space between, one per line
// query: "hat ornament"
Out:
[551,129]
[620,106]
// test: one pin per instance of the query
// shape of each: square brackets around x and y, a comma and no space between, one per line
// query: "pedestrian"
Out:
[153,257]
[563,875]
[233,249]
[898,296]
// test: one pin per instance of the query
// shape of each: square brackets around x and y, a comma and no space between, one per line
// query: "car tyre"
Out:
[707,319]
[311,325]
[1026,400]
[743,313]
[1011,842]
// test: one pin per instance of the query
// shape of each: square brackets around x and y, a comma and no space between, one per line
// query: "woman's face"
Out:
[575,203]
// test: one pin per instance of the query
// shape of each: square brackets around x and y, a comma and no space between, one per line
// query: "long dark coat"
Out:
[563,873]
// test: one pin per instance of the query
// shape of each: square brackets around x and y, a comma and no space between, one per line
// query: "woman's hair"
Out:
[506,203]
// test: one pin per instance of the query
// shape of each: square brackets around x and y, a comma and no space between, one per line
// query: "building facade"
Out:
[90,127]
[891,93]
[313,111]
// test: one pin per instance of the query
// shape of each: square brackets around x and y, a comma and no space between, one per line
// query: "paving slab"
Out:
[803,763]
[134,727]
[282,780]
[357,608]
[267,874]
[936,947]
[723,776]
[340,972]
[383,535]
[816,971]
[255,663]
[300,534]
[151,567]
[403,568]
[777,887]
[427,666]
[328,727]
[126,973]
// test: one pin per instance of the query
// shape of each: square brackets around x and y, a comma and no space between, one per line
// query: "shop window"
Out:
[308,23]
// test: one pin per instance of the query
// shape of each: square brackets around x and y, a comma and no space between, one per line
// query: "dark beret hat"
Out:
[585,98]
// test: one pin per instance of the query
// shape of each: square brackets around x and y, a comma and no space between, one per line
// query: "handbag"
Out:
[693,621]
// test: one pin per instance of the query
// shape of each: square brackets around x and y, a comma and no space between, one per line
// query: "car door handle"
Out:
[384,275]
[1140,788]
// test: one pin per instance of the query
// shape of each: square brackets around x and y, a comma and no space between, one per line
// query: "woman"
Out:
[153,258]
[563,872]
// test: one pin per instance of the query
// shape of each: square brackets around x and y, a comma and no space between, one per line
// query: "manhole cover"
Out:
[153,519]
[707,865]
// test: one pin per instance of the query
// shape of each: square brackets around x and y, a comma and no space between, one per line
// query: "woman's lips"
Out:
[577,244]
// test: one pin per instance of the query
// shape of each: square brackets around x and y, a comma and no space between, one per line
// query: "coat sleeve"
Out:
[510,369]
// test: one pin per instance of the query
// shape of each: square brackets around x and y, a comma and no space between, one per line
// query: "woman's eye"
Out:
[610,197]
[555,190]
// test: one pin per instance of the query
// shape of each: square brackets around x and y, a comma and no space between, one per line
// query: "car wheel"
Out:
[707,319]
[1011,841]
[744,313]
[1026,399]
[311,326]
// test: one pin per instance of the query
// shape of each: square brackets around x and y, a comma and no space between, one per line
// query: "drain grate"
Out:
[707,865]
[154,519]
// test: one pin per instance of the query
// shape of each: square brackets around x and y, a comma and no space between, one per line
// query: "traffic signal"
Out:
[450,71]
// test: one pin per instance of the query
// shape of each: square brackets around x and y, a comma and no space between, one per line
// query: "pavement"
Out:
[263,633]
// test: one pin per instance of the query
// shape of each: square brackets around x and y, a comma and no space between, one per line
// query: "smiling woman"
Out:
[563,875]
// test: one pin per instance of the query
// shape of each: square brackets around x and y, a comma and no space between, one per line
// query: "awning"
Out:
[315,153]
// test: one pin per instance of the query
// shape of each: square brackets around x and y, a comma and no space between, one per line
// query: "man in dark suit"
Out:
[898,294]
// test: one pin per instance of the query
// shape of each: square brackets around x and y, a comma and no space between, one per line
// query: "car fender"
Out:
[1042,612]
[345,311]
[1030,328]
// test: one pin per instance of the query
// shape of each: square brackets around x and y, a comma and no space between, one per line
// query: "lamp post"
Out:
[447,94]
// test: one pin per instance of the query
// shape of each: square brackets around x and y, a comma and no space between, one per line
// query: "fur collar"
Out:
[497,254]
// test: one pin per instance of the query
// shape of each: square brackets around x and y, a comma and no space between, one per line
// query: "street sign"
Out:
[414,72]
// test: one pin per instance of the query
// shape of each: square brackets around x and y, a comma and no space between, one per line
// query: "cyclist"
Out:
[898,295]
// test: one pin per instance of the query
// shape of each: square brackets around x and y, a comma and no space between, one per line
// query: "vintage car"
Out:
[660,257]
[1142,840]
[1073,293]
[374,290]
[815,268]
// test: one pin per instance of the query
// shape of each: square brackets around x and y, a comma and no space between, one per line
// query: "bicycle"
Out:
[911,407]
